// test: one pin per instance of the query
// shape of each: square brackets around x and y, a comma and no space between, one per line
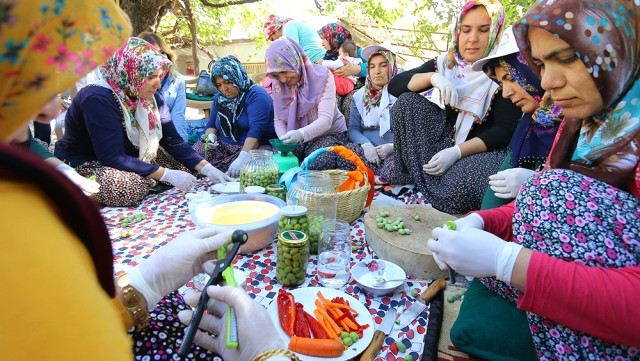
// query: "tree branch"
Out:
[228,3]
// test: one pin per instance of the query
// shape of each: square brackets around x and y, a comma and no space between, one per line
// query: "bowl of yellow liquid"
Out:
[257,214]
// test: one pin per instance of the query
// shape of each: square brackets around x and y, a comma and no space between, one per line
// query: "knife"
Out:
[378,337]
[421,303]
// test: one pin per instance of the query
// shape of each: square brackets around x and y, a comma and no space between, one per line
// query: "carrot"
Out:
[324,325]
[328,318]
[339,305]
[316,347]
[321,297]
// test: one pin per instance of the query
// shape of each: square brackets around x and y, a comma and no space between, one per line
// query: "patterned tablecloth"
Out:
[167,216]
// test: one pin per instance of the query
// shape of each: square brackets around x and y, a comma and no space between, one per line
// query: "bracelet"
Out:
[133,302]
[267,354]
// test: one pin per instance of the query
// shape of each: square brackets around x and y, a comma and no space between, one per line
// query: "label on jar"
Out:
[293,238]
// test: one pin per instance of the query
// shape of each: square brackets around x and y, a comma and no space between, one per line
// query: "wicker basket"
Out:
[350,202]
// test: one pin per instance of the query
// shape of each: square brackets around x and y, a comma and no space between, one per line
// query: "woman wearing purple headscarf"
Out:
[304,97]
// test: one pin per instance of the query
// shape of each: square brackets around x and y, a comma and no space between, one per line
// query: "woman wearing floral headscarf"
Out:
[450,140]
[304,98]
[277,27]
[370,123]
[567,251]
[120,128]
[241,117]
[333,36]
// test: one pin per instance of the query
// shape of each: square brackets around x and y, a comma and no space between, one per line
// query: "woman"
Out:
[572,232]
[448,143]
[241,117]
[72,259]
[304,98]
[120,128]
[370,123]
[277,27]
[533,137]
[333,35]
[173,87]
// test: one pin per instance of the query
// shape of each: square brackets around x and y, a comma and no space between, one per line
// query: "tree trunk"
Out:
[194,37]
[144,14]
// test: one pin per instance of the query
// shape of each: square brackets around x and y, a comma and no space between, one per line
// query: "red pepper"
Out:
[286,311]
[301,327]
[314,325]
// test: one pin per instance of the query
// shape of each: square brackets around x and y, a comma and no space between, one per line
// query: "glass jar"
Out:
[293,218]
[314,190]
[293,256]
[277,190]
[258,170]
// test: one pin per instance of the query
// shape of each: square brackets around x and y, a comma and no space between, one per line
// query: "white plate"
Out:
[229,188]
[307,296]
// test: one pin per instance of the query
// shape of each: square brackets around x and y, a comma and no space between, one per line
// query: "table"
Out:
[167,216]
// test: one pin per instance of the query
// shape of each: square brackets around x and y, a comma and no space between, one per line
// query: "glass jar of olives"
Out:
[277,190]
[293,256]
[293,218]
[259,170]
[314,190]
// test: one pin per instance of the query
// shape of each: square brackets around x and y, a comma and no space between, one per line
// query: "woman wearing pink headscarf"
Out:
[304,97]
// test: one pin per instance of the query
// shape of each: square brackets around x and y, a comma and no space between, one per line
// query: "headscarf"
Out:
[336,35]
[46,47]
[475,90]
[534,135]
[126,73]
[604,35]
[294,103]
[273,24]
[372,95]
[229,110]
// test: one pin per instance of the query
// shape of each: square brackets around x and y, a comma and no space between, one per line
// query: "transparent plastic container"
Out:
[314,190]
[258,170]
[293,218]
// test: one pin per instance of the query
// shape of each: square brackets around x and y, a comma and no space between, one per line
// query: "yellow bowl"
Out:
[257,214]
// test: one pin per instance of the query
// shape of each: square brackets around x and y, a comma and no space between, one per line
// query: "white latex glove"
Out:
[384,150]
[293,136]
[234,168]
[171,266]
[370,153]
[212,139]
[253,321]
[87,185]
[179,179]
[475,252]
[473,220]
[507,183]
[442,161]
[448,93]
[215,175]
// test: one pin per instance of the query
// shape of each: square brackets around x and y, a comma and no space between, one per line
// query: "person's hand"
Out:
[448,93]
[472,220]
[506,184]
[234,168]
[87,185]
[211,139]
[293,136]
[250,316]
[215,175]
[370,153]
[179,179]
[172,265]
[384,150]
[442,161]
[474,252]
[348,69]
